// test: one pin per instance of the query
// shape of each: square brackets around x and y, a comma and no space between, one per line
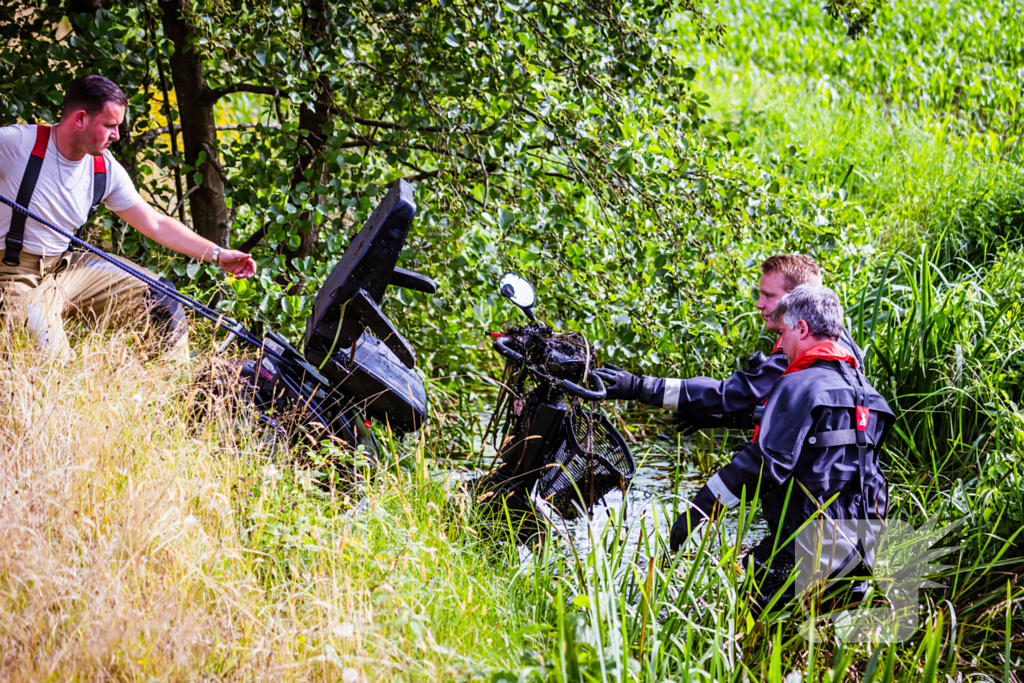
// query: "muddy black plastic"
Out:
[591,460]
[598,394]
[368,264]
[354,363]
[369,360]
[375,377]
[501,346]
[553,446]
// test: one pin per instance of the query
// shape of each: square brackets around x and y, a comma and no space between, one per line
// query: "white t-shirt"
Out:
[63,192]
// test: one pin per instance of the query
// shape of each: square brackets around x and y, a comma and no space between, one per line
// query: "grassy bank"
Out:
[139,541]
[144,541]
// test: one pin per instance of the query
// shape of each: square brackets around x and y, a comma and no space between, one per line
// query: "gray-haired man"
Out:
[814,450]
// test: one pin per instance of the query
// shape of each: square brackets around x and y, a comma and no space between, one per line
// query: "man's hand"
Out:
[685,523]
[173,235]
[237,263]
[621,385]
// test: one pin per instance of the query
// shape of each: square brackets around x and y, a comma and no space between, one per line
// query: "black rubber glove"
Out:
[701,509]
[621,384]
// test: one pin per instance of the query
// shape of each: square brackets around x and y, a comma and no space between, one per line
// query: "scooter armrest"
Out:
[407,279]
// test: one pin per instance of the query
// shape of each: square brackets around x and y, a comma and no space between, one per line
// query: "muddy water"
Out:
[657,494]
[664,481]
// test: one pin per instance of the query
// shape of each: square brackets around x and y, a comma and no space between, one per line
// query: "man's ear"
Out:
[80,117]
[803,329]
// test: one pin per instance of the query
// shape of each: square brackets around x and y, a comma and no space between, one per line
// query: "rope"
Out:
[202,309]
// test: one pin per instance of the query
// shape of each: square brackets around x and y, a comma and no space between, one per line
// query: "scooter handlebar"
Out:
[598,394]
[501,347]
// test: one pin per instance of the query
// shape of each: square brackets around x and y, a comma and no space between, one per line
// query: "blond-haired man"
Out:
[708,402]
[813,458]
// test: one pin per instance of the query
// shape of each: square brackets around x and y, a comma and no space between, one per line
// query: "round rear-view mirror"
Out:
[516,289]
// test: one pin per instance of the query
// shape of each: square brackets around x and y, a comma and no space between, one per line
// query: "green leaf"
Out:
[581,601]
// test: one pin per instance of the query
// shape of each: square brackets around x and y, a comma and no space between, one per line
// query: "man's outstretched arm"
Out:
[721,492]
[740,392]
[173,235]
[749,469]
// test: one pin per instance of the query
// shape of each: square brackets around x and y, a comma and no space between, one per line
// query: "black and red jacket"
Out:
[817,442]
[705,402]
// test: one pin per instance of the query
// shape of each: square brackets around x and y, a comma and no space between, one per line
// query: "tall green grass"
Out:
[905,175]
[143,543]
[618,611]
[964,57]
[140,542]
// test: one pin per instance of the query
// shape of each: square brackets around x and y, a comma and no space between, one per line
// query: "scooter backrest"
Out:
[368,264]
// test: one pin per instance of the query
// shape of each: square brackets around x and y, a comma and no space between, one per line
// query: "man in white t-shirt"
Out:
[73,172]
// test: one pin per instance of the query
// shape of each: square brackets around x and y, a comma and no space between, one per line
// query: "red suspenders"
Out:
[16,233]
[99,187]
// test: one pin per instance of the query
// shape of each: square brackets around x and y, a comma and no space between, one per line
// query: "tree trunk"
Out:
[312,118]
[198,126]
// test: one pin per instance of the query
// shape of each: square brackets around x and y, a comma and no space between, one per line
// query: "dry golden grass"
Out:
[137,541]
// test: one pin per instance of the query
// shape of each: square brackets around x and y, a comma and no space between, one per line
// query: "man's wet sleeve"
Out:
[749,468]
[741,392]
[744,471]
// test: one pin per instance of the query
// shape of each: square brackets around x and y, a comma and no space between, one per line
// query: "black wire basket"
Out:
[591,460]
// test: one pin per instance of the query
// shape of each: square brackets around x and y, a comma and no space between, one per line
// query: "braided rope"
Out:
[202,309]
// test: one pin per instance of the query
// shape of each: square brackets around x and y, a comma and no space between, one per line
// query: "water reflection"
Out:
[663,483]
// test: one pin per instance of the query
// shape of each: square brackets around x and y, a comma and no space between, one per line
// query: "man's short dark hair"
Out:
[92,93]
[798,269]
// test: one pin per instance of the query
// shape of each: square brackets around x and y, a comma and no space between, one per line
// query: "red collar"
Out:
[829,350]
[778,343]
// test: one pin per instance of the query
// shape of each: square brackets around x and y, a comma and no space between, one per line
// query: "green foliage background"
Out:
[637,162]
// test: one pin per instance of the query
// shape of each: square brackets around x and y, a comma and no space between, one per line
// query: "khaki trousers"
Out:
[40,291]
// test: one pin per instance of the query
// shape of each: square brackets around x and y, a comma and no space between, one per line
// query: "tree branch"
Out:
[181,203]
[254,239]
[389,125]
[214,94]
[164,130]
[422,174]
[358,141]
[211,159]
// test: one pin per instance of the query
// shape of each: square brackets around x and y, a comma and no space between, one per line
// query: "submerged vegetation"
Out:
[140,541]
